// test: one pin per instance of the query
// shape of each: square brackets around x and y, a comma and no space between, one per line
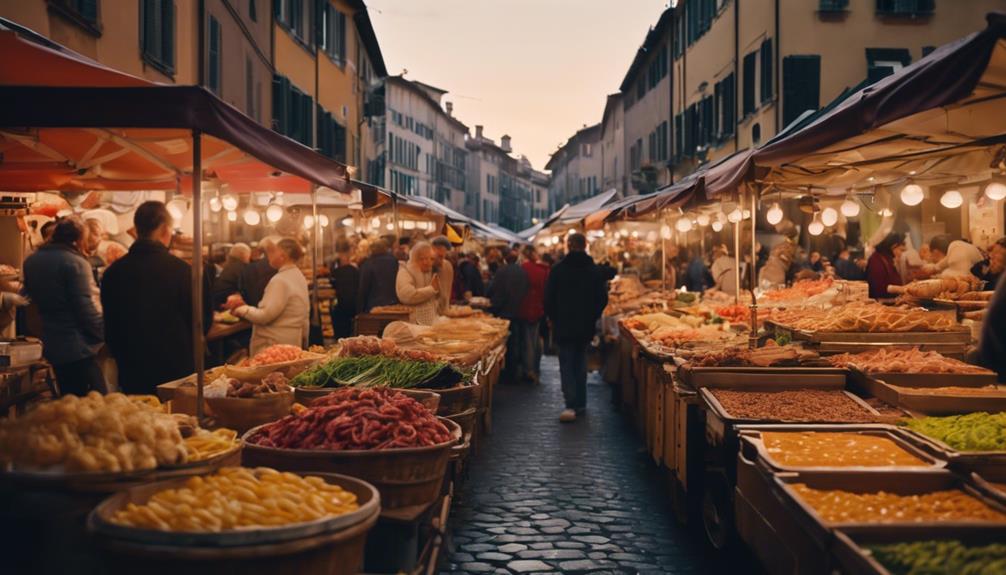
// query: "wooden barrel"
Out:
[333,545]
[44,515]
[429,398]
[457,399]
[465,420]
[244,413]
[405,477]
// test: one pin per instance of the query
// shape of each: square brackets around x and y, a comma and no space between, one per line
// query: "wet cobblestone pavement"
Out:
[576,498]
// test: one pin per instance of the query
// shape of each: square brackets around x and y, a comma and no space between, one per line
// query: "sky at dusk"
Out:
[537,70]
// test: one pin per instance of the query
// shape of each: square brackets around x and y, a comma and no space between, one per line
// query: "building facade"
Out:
[613,172]
[419,145]
[576,168]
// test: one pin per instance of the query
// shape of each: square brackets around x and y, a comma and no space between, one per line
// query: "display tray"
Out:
[754,448]
[851,556]
[699,377]
[896,482]
[959,335]
[917,400]
[963,460]
[99,521]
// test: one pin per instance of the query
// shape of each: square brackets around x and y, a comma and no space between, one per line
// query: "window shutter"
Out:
[88,9]
[731,107]
[339,143]
[342,37]
[277,9]
[749,83]
[168,31]
[801,85]
[148,10]
[214,56]
[766,70]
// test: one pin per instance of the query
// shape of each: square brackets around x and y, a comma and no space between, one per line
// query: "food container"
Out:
[332,545]
[288,368]
[307,396]
[699,377]
[754,448]
[405,477]
[851,555]
[960,460]
[244,413]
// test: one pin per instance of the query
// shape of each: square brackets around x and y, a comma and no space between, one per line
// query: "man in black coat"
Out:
[471,277]
[575,296]
[506,292]
[256,275]
[378,275]
[147,299]
[229,280]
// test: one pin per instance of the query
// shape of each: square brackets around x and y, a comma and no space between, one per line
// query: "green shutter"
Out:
[766,70]
[749,83]
[168,34]
[88,10]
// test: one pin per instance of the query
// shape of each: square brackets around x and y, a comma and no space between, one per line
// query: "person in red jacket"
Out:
[881,270]
[532,309]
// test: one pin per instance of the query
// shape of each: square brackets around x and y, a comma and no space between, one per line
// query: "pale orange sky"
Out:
[535,69]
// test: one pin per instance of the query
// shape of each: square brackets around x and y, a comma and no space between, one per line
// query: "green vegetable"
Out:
[979,431]
[378,371]
[947,557]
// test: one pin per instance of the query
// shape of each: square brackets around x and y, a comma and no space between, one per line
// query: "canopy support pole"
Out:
[737,258]
[753,339]
[198,343]
[394,217]
[315,259]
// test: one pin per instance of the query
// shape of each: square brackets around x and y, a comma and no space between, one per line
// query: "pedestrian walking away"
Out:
[575,297]
[532,309]
[506,294]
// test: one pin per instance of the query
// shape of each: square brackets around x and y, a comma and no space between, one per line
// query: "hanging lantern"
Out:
[390,226]
[251,217]
[177,209]
[324,220]
[995,191]
[635,234]
[215,205]
[702,220]
[717,226]
[684,225]
[850,207]
[274,213]
[347,222]
[308,222]
[735,216]
[886,213]
[815,228]
[229,202]
[232,216]
[951,199]
[665,232]
[774,214]
[829,216]
[912,194]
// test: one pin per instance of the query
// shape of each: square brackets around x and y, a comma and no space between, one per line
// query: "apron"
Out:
[426,312]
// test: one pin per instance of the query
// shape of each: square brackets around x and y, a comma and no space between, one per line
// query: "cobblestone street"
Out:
[583,497]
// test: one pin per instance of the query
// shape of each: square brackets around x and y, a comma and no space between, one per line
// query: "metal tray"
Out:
[963,460]
[902,483]
[699,377]
[959,335]
[754,449]
[939,404]
[851,556]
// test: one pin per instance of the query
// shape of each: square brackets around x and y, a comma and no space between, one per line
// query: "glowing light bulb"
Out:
[774,214]
[717,226]
[850,208]
[951,199]
[347,222]
[912,195]
[665,232]
[635,234]
[274,213]
[390,226]
[735,216]
[684,225]
[251,217]
[232,216]
[229,202]
[702,220]
[886,213]
[829,216]
[375,223]
[747,214]
[308,222]
[215,205]
[324,220]
[995,191]
[815,228]
[177,209]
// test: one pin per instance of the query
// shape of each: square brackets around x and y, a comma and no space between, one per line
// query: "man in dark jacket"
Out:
[58,280]
[147,297]
[256,275]
[229,280]
[378,275]
[575,296]
[471,277]
[506,293]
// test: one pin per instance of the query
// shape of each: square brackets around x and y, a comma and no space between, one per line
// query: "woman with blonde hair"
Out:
[283,314]
[418,286]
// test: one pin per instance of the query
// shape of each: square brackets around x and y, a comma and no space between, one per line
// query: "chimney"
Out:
[450,108]
[505,143]
[478,132]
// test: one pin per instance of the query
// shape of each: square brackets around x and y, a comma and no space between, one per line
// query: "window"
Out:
[691,130]
[906,8]
[292,111]
[679,136]
[652,147]
[333,33]
[662,142]
[750,62]
[253,10]
[157,33]
[832,5]
[83,12]
[331,136]
[882,62]
[213,61]
[801,86]
[706,129]
[292,15]
[766,71]
[725,107]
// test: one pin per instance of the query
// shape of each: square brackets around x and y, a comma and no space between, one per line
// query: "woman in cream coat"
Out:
[417,286]
[283,314]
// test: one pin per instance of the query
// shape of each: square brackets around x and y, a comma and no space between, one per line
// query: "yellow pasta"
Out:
[239,497]
[204,444]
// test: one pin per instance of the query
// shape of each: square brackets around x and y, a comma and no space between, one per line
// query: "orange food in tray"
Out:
[837,506]
[835,449]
